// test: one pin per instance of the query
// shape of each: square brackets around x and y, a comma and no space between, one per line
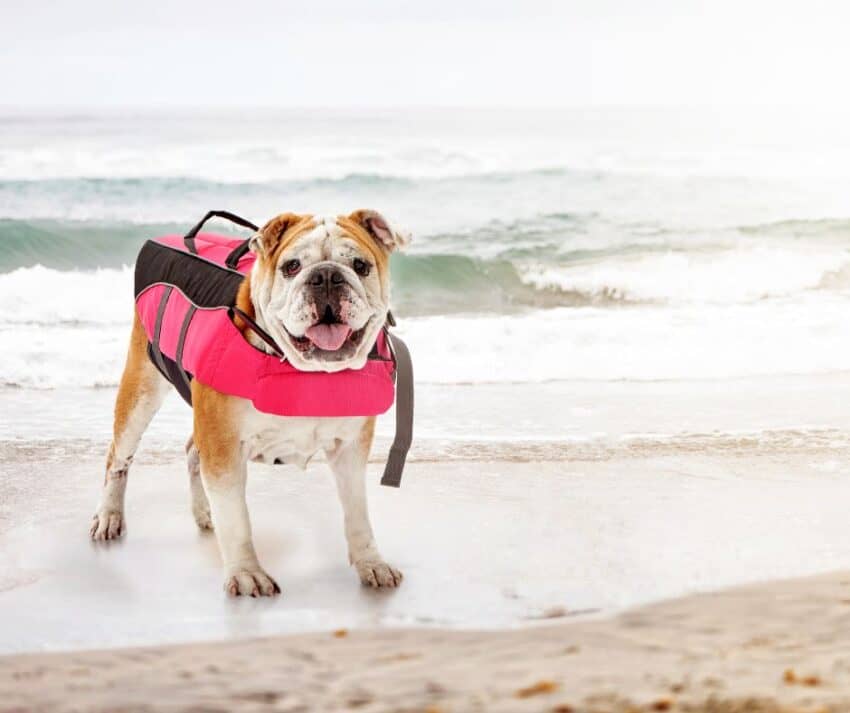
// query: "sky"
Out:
[390,53]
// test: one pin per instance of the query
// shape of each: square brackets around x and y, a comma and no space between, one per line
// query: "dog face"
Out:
[321,286]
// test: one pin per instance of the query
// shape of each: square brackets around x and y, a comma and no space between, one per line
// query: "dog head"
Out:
[321,286]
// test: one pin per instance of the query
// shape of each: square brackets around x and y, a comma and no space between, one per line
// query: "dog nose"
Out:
[325,275]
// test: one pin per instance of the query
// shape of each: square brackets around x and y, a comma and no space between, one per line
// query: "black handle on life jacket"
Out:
[236,254]
[189,238]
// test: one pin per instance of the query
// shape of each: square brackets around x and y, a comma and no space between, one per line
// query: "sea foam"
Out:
[70,329]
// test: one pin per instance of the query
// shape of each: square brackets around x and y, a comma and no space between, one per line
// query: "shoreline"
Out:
[772,647]
[483,544]
[555,421]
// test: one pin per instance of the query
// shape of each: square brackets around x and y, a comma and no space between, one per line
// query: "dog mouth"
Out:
[329,334]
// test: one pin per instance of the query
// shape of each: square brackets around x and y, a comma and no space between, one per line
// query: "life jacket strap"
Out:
[185,384]
[403,412]
[157,331]
[258,330]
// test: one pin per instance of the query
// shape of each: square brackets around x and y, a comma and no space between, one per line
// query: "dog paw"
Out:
[203,519]
[107,525]
[250,583]
[377,574]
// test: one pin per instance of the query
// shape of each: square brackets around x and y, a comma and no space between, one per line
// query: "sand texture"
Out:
[770,647]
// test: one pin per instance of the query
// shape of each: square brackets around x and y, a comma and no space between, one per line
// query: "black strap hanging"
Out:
[403,413]
[258,330]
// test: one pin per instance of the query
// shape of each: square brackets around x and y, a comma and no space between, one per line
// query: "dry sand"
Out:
[769,647]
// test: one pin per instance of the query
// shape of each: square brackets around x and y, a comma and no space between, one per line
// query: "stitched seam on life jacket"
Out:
[181,341]
[157,330]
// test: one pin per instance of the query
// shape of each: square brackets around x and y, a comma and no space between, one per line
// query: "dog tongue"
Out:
[329,337]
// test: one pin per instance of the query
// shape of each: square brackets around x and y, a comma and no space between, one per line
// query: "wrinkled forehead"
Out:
[326,235]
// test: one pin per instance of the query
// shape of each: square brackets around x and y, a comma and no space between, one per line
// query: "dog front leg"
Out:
[348,463]
[224,471]
[225,490]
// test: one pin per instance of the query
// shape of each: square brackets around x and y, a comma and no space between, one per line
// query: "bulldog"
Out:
[320,288]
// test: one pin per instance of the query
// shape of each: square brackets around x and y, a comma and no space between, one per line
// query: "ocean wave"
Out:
[43,297]
[730,275]
[449,283]
[422,285]
[164,185]
[273,161]
[87,244]
[55,272]
[830,228]
[74,245]
[643,343]
[259,145]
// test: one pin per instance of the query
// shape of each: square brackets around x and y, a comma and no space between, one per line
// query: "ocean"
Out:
[565,246]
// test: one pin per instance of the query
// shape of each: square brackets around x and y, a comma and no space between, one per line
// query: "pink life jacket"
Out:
[186,289]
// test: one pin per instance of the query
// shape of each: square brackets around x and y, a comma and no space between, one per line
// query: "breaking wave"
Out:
[642,343]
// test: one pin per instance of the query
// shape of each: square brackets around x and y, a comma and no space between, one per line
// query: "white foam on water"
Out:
[725,276]
[46,297]
[804,336]
[70,329]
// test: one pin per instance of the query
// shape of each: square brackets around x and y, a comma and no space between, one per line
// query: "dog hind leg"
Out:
[140,395]
[200,503]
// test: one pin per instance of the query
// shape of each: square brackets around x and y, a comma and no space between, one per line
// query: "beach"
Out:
[630,356]
[539,576]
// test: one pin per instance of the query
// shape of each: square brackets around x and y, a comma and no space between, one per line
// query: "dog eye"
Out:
[291,267]
[361,267]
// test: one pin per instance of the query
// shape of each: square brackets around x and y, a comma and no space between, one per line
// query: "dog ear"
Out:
[380,229]
[264,241]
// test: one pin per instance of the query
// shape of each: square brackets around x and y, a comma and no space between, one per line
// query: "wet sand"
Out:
[770,647]
[483,545]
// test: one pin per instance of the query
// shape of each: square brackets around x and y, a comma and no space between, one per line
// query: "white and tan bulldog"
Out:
[320,287]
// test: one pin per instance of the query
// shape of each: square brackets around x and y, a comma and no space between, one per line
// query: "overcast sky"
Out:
[430,52]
